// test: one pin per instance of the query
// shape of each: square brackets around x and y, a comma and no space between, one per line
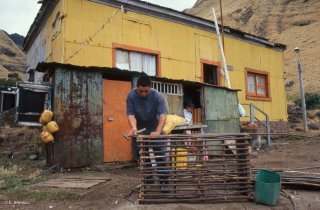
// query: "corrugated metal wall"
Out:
[221,110]
[174,104]
[78,112]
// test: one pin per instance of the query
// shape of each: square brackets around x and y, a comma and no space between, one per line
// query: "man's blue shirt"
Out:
[146,110]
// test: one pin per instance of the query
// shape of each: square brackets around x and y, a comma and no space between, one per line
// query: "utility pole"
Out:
[303,101]
[222,29]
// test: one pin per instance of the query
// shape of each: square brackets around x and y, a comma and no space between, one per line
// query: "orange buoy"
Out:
[46,137]
[52,127]
[46,116]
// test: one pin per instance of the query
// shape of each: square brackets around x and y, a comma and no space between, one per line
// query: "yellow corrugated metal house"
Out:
[161,42]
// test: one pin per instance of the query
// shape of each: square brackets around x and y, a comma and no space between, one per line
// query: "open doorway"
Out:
[210,74]
[192,95]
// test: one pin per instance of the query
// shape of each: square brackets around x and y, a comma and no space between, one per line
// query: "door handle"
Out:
[110,119]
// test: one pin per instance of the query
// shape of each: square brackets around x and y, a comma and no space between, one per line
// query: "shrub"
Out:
[312,100]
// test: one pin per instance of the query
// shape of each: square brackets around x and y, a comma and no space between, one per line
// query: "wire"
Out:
[90,38]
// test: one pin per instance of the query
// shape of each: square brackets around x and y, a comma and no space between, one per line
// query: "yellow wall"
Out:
[54,35]
[246,55]
[181,48]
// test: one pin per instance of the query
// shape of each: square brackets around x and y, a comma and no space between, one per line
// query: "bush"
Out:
[312,101]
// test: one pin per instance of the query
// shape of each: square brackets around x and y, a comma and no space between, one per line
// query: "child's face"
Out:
[190,109]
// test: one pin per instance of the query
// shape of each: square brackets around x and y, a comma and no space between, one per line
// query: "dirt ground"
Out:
[121,192]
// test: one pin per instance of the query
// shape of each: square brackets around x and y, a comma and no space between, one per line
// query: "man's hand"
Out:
[133,124]
[133,131]
[156,133]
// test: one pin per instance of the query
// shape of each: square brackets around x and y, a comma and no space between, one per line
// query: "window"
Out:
[257,84]
[168,88]
[210,72]
[136,61]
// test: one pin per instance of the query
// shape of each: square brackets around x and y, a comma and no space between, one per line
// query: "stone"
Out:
[314,126]
[289,84]
[7,153]
[33,157]
[299,129]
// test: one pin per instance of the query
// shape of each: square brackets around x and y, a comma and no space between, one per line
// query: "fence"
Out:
[8,117]
[195,168]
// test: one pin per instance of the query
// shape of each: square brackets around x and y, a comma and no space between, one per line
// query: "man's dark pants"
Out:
[158,146]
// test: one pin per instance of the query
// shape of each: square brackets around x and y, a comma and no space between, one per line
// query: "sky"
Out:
[16,16]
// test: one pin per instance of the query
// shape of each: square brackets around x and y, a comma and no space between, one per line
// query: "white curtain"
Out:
[261,83]
[135,61]
[251,83]
[122,60]
[149,64]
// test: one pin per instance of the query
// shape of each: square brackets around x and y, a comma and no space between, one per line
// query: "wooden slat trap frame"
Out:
[195,168]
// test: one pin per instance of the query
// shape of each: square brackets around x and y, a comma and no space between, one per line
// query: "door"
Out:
[115,122]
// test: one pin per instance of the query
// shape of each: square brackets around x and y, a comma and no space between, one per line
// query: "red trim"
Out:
[136,49]
[256,96]
[215,63]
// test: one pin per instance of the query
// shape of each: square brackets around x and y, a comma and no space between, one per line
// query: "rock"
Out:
[98,168]
[33,157]
[294,120]
[299,129]
[1,138]
[314,126]
[292,126]
[7,153]
[289,84]
[311,116]
[20,134]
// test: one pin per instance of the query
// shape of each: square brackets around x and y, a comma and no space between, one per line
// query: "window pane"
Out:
[251,83]
[135,61]
[122,60]
[149,64]
[261,80]
[261,91]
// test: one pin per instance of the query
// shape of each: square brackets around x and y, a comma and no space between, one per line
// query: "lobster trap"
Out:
[194,168]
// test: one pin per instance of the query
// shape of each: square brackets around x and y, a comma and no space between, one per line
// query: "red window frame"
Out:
[255,95]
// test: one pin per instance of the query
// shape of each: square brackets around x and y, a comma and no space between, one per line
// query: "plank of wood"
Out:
[70,183]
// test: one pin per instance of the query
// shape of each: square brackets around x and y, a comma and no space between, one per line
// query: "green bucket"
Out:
[268,187]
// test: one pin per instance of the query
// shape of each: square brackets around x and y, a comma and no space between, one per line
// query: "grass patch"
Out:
[293,98]
[52,195]
[11,177]
[23,193]
[15,181]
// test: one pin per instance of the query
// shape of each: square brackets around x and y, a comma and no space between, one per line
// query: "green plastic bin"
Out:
[267,187]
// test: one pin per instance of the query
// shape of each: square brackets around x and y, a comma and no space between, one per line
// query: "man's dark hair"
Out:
[144,81]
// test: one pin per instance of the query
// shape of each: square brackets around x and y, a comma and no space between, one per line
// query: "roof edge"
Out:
[51,66]
[151,10]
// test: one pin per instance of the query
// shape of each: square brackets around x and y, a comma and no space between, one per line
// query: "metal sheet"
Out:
[223,126]
[78,112]
[174,103]
[221,111]
[220,104]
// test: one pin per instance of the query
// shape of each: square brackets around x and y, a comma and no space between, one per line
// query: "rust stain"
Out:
[78,107]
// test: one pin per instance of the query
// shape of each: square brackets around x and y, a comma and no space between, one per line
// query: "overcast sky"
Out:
[16,16]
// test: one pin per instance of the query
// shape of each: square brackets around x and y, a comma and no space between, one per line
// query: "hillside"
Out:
[18,39]
[12,59]
[295,23]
